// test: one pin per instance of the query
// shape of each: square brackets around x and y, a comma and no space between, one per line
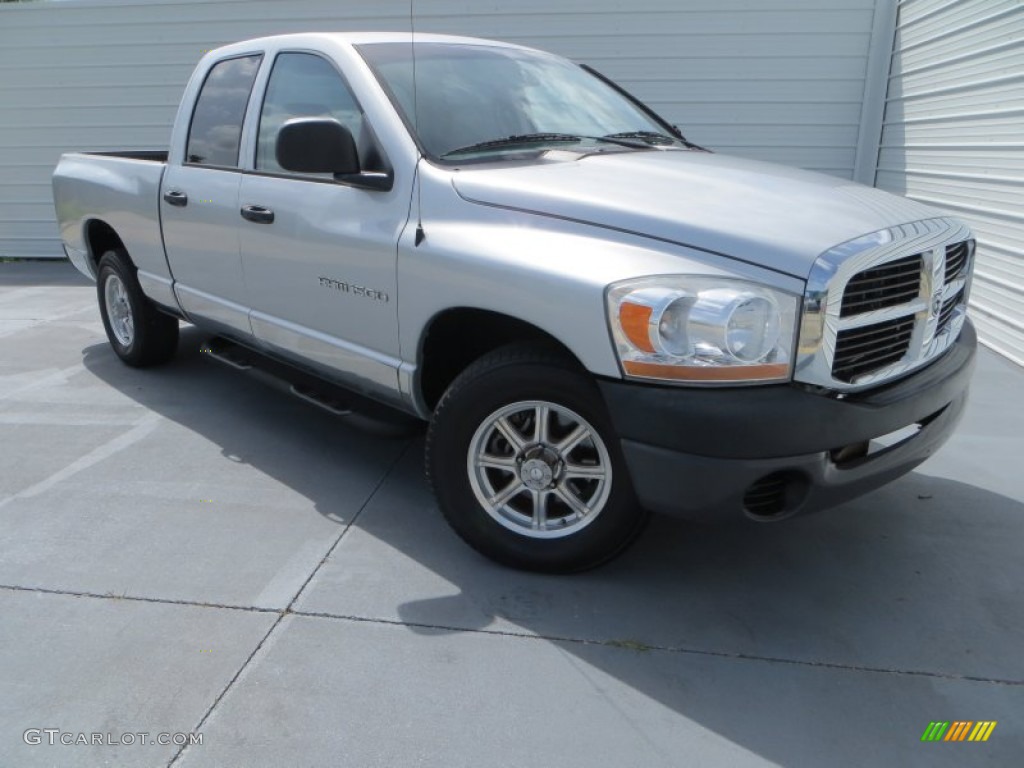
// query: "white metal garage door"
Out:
[780,80]
[953,136]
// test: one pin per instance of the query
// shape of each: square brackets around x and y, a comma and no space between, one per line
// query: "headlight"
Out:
[702,329]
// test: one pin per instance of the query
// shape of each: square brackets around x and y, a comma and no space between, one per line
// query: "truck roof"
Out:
[352,38]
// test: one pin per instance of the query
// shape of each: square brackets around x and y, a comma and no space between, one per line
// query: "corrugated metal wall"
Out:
[953,136]
[780,80]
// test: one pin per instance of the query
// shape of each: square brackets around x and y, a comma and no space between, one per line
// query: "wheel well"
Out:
[100,237]
[458,337]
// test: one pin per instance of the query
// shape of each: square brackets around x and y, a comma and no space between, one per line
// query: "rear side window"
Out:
[216,130]
[303,85]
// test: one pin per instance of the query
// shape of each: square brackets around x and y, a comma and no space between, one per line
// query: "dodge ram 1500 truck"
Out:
[597,317]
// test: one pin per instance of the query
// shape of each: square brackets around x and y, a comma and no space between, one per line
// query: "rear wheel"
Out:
[140,334]
[526,467]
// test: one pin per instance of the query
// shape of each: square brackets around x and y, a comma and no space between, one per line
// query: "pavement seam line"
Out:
[662,648]
[138,599]
[288,609]
[520,635]
[391,468]
[231,682]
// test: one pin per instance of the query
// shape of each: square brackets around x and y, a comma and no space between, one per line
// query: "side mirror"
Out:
[316,145]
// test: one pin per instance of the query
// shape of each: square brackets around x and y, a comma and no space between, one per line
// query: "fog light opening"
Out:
[775,496]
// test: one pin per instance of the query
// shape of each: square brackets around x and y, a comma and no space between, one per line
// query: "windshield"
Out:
[472,94]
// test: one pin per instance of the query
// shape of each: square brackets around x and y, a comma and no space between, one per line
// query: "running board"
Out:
[321,400]
[350,407]
[223,351]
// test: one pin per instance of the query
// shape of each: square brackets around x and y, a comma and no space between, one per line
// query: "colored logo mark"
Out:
[958,730]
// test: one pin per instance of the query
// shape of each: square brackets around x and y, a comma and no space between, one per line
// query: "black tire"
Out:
[513,380]
[151,337]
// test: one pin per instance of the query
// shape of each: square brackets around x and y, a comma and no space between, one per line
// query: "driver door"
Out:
[319,256]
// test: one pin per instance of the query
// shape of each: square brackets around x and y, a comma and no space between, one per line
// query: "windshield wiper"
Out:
[657,138]
[650,137]
[623,140]
[515,140]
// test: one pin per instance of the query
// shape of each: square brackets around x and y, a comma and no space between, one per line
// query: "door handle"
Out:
[257,213]
[176,197]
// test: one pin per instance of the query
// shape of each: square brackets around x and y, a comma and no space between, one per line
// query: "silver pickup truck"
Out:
[597,317]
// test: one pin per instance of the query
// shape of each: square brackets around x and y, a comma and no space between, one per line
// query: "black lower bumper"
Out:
[771,452]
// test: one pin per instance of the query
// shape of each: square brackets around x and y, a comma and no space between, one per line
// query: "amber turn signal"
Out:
[635,320]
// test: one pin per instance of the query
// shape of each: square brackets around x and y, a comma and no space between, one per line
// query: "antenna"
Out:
[420,234]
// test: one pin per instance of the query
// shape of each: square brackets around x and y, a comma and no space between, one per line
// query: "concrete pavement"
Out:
[185,550]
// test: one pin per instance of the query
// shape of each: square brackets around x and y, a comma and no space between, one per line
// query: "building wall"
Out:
[779,80]
[953,136]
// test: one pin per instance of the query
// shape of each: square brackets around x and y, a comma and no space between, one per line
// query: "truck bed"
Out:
[152,155]
[122,190]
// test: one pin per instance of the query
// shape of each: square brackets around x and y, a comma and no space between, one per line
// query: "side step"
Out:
[351,407]
[327,402]
[223,351]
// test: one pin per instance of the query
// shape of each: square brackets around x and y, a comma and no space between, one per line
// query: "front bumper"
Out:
[776,451]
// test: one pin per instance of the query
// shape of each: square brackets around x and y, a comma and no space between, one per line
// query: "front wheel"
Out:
[140,334]
[526,467]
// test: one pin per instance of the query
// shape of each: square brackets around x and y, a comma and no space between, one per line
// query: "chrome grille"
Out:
[956,260]
[865,349]
[884,304]
[946,312]
[895,282]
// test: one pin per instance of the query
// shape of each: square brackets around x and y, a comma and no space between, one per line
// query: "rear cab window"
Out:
[215,134]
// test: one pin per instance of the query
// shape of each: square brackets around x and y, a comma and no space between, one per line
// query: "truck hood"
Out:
[770,215]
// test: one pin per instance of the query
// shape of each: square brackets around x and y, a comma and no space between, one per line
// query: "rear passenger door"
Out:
[320,263]
[199,201]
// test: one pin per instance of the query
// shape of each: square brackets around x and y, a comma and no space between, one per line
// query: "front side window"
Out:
[216,130]
[303,85]
[466,94]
